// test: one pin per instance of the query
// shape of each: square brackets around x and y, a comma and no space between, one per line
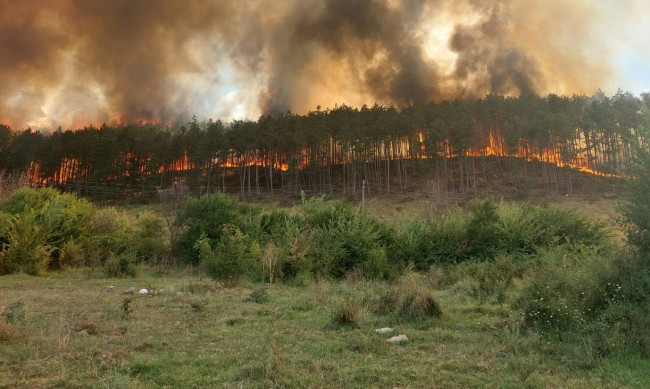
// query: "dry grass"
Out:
[76,334]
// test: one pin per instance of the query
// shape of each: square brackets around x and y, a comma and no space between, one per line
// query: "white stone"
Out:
[110,289]
[397,339]
[384,330]
[143,292]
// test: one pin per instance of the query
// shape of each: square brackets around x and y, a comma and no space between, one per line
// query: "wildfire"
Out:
[340,153]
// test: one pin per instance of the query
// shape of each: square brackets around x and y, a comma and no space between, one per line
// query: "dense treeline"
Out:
[333,150]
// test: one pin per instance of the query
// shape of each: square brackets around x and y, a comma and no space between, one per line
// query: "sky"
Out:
[72,63]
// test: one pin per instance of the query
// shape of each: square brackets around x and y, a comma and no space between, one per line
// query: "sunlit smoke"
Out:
[78,62]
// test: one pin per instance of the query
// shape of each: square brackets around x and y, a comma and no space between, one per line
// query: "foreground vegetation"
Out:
[70,332]
[495,294]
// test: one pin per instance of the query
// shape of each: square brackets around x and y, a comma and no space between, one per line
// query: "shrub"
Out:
[346,313]
[409,299]
[344,240]
[487,231]
[205,217]
[28,250]
[109,237]
[231,258]
[123,265]
[587,294]
[270,261]
[72,255]
[484,280]
[557,286]
[41,222]
[14,313]
[482,234]
[258,295]
[150,241]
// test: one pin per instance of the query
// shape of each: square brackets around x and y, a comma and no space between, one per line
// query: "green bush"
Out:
[150,240]
[205,217]
[486,231]
[409,299]
[344,240]
[484,280]
[108,237]
[231,259]
[557,286]
[586,293]
[346,313]
[482,234]
[42,221]
[28,249]
[123,265]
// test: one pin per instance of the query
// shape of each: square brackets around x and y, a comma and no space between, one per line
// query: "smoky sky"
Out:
[75,62]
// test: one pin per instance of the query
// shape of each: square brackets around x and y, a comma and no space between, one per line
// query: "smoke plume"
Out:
[75,62]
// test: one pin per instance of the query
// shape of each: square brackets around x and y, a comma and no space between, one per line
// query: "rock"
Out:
[110,289]
[398,339]
[384,330]
[143,292]
[131,290]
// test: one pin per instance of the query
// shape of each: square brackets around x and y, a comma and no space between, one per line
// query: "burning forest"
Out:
[454,146]
[439,84]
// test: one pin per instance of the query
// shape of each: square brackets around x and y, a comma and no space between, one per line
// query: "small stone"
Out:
[131,290]
[398,339]
[179,294]
[143,292]
[384,330]
[110,289]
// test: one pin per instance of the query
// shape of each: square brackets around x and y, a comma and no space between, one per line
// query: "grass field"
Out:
[66,330]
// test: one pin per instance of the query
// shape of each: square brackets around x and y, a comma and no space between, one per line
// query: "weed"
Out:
[346,313]
[199,305]
[258,295]
[409,299]
[14,313]
[126,309]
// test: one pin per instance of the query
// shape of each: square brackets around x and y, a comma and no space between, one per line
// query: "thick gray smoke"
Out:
[76,62]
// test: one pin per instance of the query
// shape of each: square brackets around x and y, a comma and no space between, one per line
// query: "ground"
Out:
[76,334]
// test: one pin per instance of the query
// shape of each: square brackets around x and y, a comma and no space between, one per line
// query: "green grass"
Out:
[75,334]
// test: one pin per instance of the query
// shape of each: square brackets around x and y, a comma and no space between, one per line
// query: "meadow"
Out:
[73,333]
[492,294]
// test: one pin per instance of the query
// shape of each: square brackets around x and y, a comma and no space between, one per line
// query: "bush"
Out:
[205,217]
[121,265]
[344,240]
[149,240]
[42,221]
[346,313]
[28,249]
[485,280]
[557,286]
[258,295]
[109,237]
[409,299]
[487,231]
[14,313]
[591,296]
[481,234]
[230,260]
[72,255]
[434,241]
